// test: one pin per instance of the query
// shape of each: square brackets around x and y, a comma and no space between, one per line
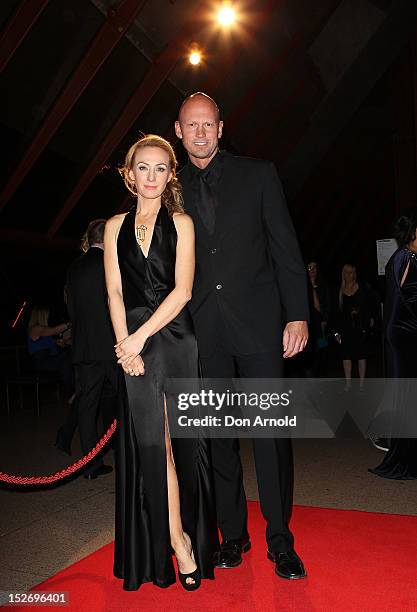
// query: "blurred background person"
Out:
[354,323]
[400,324]
[96,370]
[46,347]
[312,361]
[66,432]
[319,316]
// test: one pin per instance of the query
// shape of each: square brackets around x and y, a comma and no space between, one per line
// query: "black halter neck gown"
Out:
[142,541]
[400,313]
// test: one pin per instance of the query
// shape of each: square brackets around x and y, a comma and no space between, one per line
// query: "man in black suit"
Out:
[96,370]
[250,277]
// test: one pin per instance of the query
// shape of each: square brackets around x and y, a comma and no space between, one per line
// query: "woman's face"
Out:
[349,274]
[150,171]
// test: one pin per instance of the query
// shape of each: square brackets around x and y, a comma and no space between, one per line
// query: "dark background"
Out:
[325,89]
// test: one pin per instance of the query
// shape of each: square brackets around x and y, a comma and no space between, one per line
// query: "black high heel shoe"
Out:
[195,575]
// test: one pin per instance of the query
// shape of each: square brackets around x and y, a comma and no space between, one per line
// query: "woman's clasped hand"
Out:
[127,352]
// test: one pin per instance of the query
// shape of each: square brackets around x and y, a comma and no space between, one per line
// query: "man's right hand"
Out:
[294,338]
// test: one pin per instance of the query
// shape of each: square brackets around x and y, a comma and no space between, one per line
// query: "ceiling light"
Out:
[195,57]
[226,15]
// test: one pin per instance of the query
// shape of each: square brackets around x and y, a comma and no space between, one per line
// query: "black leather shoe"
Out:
[287,564]
[101,471]
[230,554]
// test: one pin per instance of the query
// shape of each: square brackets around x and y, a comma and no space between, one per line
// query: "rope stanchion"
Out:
[71,469]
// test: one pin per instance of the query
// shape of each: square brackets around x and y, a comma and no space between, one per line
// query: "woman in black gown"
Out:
[354,320]
[164,495]
[400,314]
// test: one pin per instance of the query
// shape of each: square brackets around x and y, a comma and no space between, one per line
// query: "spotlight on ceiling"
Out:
[226,15]
[194,57]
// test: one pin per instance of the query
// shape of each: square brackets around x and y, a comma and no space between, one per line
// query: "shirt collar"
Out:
[211,168]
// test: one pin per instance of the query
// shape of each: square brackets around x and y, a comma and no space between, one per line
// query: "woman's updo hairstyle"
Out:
[172,195]
[405,227]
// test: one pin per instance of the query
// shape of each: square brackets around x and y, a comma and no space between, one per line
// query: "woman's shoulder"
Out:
[114,224]
[182,220]
[397,263]
[398,258]
[116,220]
[400,253]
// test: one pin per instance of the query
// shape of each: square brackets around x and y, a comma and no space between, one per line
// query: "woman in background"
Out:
[400,322]
[45,350]
[355,320]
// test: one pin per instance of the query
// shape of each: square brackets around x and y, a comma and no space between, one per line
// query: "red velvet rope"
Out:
[42,480]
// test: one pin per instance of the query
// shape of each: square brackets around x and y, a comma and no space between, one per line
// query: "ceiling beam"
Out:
[33,239]
[162,66]
[297,46]
[274,118]
[246,102]
[358,76]
[111,32]
[18,27]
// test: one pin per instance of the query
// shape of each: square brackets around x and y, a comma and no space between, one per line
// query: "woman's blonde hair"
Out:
[39,316]
[343,283]
[172,195]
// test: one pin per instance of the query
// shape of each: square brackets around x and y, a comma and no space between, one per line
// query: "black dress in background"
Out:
[400,462]
[354,324]
[142,539]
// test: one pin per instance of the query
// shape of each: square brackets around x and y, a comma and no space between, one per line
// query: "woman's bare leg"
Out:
[362,371]
[347,367]
[179,543]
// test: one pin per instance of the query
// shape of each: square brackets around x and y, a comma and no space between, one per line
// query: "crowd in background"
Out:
[345,331]
[345,320]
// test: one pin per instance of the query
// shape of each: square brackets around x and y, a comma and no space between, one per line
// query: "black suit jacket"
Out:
[92,332]
[251,265]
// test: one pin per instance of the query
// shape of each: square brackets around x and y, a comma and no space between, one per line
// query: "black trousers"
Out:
[273,459]
[97,387]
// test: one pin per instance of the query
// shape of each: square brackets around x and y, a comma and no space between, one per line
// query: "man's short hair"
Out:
[94,234]
[202,94]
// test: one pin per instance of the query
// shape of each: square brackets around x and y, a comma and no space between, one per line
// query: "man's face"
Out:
[199,128]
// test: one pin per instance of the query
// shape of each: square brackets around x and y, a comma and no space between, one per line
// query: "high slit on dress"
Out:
[142,539]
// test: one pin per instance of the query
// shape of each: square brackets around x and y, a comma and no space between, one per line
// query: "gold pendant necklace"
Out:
[141,233]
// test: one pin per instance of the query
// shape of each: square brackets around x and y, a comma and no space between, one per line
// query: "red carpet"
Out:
[355,560]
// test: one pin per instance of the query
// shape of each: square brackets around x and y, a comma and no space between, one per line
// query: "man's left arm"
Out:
[288,263]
